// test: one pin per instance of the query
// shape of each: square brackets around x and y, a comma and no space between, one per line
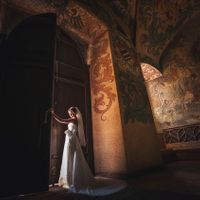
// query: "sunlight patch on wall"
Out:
[149,72]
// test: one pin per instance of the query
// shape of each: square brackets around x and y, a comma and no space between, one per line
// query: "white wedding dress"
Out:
[75,174]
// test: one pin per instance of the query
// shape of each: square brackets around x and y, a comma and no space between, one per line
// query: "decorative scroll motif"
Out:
[101,64]
[182,134]
[101,79]
[76,18]
[70,15]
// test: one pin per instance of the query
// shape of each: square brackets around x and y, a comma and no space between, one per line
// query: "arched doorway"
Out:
[71,88]
[39,72]
[109,152]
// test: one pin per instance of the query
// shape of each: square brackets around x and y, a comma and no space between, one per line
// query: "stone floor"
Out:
[175,181]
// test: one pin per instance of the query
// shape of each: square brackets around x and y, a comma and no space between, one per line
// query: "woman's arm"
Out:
[61,120]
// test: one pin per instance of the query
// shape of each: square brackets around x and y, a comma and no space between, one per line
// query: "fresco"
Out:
[102,77]
[175,96]
[99,10]
[131,83]
[139,129]
[124,11]
[158,21]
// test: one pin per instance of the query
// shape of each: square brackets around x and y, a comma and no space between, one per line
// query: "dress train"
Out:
[75,174]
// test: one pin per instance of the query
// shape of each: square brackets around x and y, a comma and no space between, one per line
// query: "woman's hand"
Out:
[51,110]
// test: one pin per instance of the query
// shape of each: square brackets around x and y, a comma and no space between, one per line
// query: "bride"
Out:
[75,174]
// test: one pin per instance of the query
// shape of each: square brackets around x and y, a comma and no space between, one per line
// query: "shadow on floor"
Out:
[176,181]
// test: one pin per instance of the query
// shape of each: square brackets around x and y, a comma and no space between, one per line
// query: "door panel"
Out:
[27,94]
[63,46]
[71,88]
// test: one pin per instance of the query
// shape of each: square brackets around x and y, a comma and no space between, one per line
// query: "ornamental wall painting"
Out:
[158,21]
[175,97]
[131,84]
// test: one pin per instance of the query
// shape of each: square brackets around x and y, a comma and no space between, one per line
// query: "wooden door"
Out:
[71,88]
[26,95]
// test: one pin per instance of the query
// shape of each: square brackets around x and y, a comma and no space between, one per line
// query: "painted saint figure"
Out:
[75,174]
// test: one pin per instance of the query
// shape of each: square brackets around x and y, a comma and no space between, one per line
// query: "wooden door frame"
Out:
[92,31]
[88,127]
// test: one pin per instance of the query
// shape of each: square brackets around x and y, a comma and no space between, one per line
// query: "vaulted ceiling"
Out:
[158,21]
[150,25]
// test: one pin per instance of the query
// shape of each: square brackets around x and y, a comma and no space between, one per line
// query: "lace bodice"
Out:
[72,129]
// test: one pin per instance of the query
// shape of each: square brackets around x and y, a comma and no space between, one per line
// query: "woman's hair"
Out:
[81,134]
[73,109]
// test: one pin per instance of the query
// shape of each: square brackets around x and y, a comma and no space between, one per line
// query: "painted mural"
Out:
[158,21]
[124,12]
[131,83]
[99,10]
[124,9]
[175,97]
[102,77]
